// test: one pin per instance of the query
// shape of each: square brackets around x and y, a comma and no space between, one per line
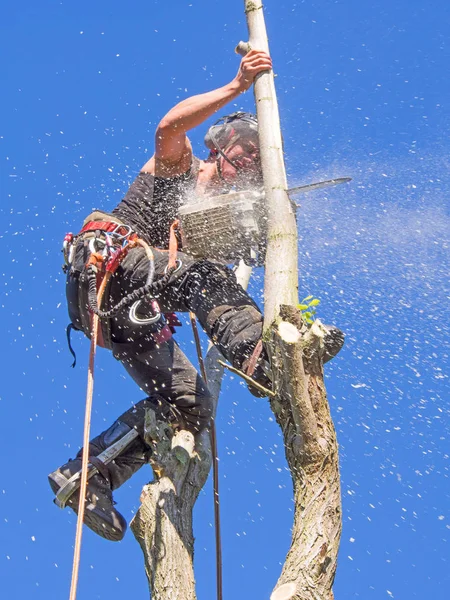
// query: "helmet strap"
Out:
[219,168]
[222,154]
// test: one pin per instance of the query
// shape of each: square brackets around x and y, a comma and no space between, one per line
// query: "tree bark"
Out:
[163,523]
[302,411]
[281,277]
[300,403]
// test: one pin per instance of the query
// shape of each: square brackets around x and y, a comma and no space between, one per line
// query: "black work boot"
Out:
[333,341]
[237,333]
[99,512]
[124,441]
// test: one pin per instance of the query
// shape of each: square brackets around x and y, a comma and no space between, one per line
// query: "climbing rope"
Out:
[92,267]
[213,441]
[86,436]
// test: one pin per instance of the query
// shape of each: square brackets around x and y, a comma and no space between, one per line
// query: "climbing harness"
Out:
[108,246]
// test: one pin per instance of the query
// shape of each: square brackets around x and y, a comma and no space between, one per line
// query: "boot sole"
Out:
[92,518]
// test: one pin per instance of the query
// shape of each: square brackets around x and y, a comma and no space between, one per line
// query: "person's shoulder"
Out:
[141,185]
[170,165]
[164,170]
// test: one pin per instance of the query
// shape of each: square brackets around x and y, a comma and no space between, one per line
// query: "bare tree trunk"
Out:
[300,404]
[163,523]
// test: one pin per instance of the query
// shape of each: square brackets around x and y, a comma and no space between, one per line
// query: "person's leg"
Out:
[225,310]
[114,456]
[177,394]
[230,317]
[228,314]
[163,369]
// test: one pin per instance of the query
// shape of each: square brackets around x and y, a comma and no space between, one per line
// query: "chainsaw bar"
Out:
[302,189]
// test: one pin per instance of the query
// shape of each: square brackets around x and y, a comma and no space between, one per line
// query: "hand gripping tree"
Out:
[163,524]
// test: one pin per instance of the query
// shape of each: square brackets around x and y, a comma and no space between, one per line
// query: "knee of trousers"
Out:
[207,285]
[199,417]
[194,417]
[134,417]
[195,409]
[235,330]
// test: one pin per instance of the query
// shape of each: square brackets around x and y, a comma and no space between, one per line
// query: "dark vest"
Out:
[151,204]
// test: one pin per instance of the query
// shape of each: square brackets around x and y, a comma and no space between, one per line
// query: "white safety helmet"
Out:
[230,129]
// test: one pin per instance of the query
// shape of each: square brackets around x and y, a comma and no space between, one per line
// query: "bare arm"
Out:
[173,153]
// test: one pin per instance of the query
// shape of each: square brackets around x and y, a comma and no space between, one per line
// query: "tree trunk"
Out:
[300,403]
[163,523]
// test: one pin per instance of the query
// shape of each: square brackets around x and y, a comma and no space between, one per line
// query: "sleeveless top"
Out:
[151,204]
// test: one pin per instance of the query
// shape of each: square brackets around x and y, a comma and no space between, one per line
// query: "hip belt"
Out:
[109,244]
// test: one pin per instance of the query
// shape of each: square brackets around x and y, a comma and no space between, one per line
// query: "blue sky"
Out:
[363,91]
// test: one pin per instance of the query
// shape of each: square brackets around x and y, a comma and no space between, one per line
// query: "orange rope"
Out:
[97,260]
[86,436]
[173,244]
[147,248]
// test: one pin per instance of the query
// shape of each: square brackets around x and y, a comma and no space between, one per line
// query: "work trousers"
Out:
[225,310]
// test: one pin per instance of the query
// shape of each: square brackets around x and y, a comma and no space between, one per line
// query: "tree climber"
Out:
[142,343]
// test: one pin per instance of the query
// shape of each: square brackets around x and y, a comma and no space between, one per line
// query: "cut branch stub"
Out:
[243,48]
[284,592]
[313,347]
[289,377]
[163,524]
[288,333]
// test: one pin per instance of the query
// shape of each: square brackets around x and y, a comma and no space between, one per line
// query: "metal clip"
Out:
[68,248]
[146,321]
[98,244]
[118,235]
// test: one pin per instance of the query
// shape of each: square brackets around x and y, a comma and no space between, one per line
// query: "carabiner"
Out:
[103,246]
[120,236]
[146,321]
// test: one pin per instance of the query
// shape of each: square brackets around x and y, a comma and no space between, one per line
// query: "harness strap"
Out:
[173,244]
[105,269]
[107,227]
[250,364]
[101,467]
[69,328]
[102,268]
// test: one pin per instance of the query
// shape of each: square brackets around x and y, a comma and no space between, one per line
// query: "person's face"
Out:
[245,155]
